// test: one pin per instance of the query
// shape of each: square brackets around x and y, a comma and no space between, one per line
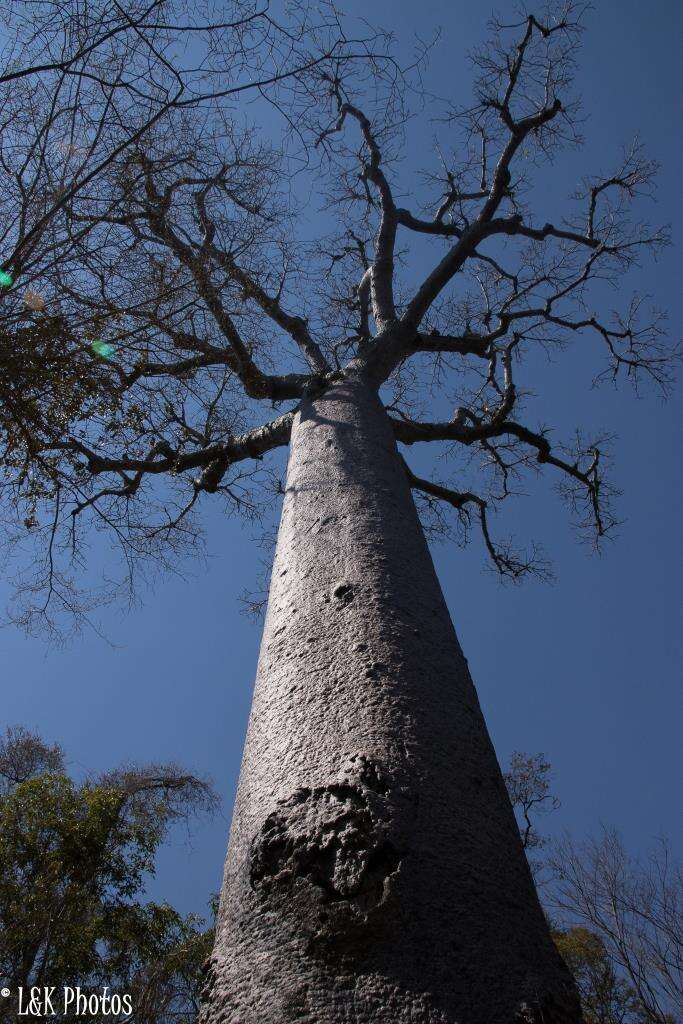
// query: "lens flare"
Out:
[101,348]
[5,279]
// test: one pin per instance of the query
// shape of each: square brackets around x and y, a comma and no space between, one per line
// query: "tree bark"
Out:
[375,871]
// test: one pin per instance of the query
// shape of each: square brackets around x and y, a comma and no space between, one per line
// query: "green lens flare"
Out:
[103,349]
[5,279]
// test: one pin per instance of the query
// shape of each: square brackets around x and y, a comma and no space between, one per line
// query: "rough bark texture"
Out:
[375,872]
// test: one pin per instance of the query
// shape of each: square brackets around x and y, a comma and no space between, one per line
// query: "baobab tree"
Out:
[375,871]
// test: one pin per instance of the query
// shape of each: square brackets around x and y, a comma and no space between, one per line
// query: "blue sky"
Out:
[586,670]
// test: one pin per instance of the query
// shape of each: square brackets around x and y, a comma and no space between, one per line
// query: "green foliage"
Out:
[605,998]
[74,858]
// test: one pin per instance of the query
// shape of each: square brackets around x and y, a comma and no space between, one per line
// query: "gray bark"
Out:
[375,871]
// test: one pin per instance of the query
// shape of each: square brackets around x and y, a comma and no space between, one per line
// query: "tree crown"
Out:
[178,299]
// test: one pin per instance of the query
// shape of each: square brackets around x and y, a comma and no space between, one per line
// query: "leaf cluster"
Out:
[74,860]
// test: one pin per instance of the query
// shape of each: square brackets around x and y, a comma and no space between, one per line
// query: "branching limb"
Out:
[382,269]
[157,217]
[212,459]
[465,428]
[507,563]
[295,326]
[467,344]
[275,387]
[162,280]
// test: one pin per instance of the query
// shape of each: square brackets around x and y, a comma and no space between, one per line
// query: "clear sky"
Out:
[587,670]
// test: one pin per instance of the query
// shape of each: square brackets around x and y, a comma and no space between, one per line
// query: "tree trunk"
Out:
[375,873]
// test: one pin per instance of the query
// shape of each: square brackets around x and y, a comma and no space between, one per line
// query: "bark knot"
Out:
[343,593]
[328,854]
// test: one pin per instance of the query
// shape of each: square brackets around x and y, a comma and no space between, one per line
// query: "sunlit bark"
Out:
[375,871]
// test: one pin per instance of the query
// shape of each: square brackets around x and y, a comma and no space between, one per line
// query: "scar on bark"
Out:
[334,838]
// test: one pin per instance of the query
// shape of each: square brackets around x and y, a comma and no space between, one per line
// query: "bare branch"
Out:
[382,269]
[506,562]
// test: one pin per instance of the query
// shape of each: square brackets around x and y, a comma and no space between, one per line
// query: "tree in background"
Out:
[636,908]
[158,957]
[375,870]
[74,858]
[605,997]
[618,922]
[528,781]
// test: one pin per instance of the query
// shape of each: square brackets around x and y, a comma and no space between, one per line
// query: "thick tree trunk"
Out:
[375,871]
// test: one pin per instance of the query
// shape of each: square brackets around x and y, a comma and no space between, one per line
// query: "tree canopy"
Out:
[180,305]
[75,858]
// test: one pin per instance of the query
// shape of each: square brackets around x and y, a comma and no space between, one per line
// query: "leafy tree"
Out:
[74,858]
[24,755]
[375,869]
[605,998]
